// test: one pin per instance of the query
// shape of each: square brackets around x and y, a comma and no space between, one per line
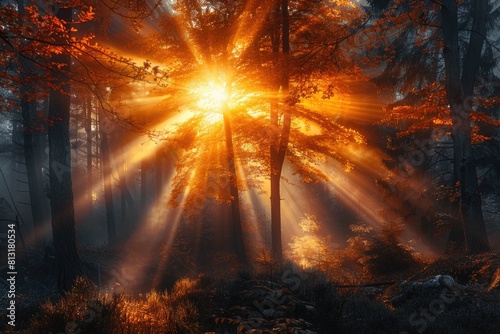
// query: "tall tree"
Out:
[281,130]
[460,93]
[107,176]
[203,51]
[237,225]
[262,100]
[33,167]
[89,145]
[443,94]
[49,45]
[69,266]
[19,74]
[315,64]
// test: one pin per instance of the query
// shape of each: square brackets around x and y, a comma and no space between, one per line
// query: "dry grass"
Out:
[296,301]
[85,311]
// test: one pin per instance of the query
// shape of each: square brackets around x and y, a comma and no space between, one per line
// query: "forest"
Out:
[250,166]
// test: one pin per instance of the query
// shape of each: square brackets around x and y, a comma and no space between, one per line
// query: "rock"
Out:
[408,288]
[439,281]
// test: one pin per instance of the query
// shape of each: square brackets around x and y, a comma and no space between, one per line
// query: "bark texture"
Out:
[280,132]
[33,168]
[460,80]
[68,262]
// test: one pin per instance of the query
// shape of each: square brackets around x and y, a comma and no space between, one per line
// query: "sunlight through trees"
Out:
[355,138]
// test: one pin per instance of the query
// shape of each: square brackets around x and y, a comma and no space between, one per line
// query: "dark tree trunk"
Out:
[456,238]
[33,170]
[107,180]
[33,167]
[237,228]
[126,199]
[69,265]
[280,135]
[276,242]
[40,145]
[459,93]
[90,168]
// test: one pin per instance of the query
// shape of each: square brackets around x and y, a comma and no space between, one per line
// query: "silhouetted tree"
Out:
[69,266]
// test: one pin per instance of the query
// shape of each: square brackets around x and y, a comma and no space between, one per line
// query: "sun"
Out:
[211,96]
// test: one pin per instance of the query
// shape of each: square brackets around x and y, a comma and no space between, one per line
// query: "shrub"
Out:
[381,252]
[83,310]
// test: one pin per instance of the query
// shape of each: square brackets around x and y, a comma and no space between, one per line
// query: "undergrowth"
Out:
[287,299]
[84,310]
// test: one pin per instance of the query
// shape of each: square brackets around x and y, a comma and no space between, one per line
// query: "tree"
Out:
[46,43]
[202,49]
[89,145]
[18,72]
[237,227]
[313,66]
[281,133]
[262,101]
[33,167]
[107,177]
[450,79]
[460,92]
[69,266]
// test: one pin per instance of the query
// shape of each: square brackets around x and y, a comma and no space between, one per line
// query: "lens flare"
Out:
[211,96]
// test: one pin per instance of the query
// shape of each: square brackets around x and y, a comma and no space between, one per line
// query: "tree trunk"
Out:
[237,229]
[107,180]
[40,149]
[90,168]
[459,94]
[126,198]
[276,242]
[456,238]
[68,262]
[280,136]
[32,169]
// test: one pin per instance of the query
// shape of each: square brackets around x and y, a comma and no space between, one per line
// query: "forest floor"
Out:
[450,295]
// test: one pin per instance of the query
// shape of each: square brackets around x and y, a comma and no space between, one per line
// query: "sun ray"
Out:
[250,22]
[203,92]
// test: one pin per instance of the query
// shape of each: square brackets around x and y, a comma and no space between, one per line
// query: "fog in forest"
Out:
[285,166]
